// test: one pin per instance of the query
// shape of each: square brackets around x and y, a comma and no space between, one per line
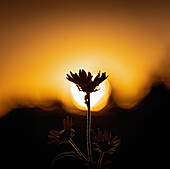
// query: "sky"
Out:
[41,41]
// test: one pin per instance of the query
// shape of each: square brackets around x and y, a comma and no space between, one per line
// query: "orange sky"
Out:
[41,41]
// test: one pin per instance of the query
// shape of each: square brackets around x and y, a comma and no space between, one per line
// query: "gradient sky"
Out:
[41,41]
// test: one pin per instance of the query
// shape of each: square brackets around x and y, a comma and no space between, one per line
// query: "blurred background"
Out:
[41,41]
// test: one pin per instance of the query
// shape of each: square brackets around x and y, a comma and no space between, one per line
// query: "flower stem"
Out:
[88,132]
[77,149]
[100,159]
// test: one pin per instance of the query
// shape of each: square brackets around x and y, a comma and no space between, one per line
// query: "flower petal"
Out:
[72,74]
[85,82]
[69,78]
[105,136]
[96,78]
[115,142]
[80,73]
[53,141]
[110,135]
[84,76]
[64,123]
[52,137]
[89,77]
[55,133]
[75,77]
[99,134]
[68,123]
[112,150]
[103,77]
[71,122]
[96,81]
[94,136]
[115,138]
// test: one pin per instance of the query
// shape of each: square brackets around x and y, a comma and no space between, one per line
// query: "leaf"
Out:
[71,154]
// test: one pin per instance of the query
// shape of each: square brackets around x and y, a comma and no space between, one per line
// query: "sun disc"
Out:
[98,100]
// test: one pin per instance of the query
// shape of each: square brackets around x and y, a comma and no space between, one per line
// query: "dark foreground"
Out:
[144,132]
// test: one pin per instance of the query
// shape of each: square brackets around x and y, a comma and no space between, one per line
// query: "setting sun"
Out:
[98,99]
[90,76]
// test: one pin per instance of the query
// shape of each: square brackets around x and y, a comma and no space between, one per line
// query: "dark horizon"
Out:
[143,132]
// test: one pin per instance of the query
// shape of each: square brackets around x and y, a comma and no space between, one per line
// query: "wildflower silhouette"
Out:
[85,83]
[63,136]
[102,143]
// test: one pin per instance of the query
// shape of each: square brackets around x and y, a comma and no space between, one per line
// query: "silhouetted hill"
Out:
[143,130]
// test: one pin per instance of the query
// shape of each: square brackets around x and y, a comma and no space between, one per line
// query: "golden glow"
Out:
[97,99]
[40,44]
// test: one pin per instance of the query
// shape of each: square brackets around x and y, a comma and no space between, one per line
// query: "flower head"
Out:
[103,142]
[84,80]
[63,136]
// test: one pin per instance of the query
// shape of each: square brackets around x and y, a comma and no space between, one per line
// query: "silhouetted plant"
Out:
[102,143]
[65,136]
